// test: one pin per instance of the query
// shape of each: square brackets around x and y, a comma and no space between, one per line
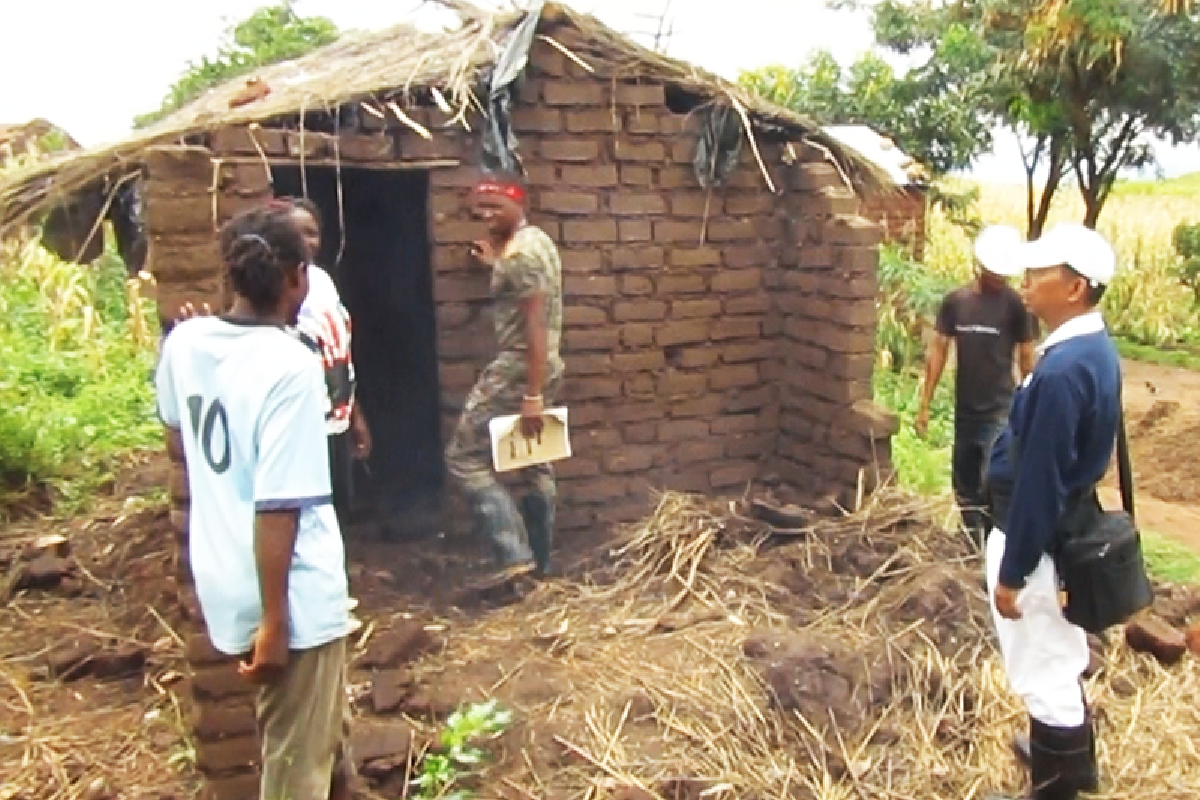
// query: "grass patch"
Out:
[1181,186]
[1168,560]
[1179,356]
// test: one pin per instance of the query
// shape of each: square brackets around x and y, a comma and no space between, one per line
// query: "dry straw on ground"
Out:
[650,674]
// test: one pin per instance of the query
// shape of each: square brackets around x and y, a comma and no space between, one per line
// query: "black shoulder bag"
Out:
[1099,555]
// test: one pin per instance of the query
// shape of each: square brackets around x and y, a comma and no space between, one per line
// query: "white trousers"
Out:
[1044,655]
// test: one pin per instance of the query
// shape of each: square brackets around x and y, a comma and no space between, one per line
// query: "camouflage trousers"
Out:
[497,393]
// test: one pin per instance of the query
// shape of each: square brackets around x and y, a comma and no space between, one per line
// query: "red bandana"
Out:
[510,190]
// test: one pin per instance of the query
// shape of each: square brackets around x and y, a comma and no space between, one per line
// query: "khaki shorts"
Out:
[304,725]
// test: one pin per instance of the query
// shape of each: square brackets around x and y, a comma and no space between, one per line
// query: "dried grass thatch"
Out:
[393,63]
[852,660]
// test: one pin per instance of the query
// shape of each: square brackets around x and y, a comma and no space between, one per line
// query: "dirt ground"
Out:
[93,692]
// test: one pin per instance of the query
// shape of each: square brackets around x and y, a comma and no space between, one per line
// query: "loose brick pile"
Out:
[712,339]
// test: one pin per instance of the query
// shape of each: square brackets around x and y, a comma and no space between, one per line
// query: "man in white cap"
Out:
[988,324]
[1056,447]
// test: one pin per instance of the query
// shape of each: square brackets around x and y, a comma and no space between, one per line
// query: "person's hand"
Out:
[484,252]
[1006,601]
[187,311]
[269,656]
[921,423]
[360,437]
[531,416]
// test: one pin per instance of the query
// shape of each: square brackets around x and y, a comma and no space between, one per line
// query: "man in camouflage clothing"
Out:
[524,376]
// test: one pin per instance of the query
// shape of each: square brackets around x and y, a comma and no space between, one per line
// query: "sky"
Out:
[90,66]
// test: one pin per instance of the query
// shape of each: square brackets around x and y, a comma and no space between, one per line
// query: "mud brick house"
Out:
[719,282]
[900,214]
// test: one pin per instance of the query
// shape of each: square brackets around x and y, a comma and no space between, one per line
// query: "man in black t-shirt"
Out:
[987,323]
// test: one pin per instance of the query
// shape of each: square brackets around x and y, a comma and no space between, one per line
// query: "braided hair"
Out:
[260,248]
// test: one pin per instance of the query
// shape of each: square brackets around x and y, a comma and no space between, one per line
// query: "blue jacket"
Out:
[1060,437]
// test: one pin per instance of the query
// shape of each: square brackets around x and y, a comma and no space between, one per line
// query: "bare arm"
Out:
[935,364]
[1024,359]
[274,544]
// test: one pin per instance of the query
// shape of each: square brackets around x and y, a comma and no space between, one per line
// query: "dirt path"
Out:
[1162,405]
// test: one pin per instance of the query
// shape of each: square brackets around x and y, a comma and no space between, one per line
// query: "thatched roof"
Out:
[17,139]
[402,59]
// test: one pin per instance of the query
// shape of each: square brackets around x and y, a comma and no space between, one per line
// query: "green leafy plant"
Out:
[457,753]
[1186,241]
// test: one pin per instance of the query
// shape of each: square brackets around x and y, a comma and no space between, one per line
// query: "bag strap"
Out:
[1124,469]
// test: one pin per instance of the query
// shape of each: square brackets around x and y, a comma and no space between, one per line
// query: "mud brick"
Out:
[639,310]
[685,332]
[200,651]
[641,432]
[750,304]
[597,490]
[575,316]
[232,787]
[740,353]
[459,290]
[170,297]
[815,256]
[677,177]
[672,231]
[1149,633]
[573,93]
[542,176]
[582,341]
[695,204]
[636,175]
[178,214]
[630,459]
[637,335]
[739,376]
[850,285]
[247,180]
[682,430]
[736,423]
[407,641]
[577,467]
[646,152]
[183,164]
[750,445]
[848,230]
[212,722]
[637,204]
[591,364]
[697,357]
[371,741]
[748,400]
[846,340]
[598,120]
[588,414]
[735,328]
[683,151]
[175,256]
[220,682]
[590,285]
[591,176]
[583,261]
[366,147]
[682,384]
[640,94]
[700,450]
[1193,639]
[641,122]
[695,256]
[569,203]
[856,260]
[690,480]
[240,141]
[228,754]
[691,309]
[733,475]
[635,230]
[589,231]
[747,255]
[636,412]
[537,119]
[633,257]
[852,367]
[682,284]
[597,438]
[591,389]
[452,315]
[636,286]
[459,231]
[570,150]
[751,204]
[731,230]
[447,201]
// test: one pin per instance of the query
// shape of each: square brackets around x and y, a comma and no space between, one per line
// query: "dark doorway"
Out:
[386,282]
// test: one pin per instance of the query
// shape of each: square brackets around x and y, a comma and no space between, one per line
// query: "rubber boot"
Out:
[499,523]
[537,509]
[1063,760]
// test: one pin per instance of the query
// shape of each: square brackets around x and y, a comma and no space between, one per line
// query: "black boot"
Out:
[537,509]
[498,522]
[1063,760]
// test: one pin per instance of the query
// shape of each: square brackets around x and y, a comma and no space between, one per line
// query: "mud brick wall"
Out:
[902,216]
[832,438]
[188,196]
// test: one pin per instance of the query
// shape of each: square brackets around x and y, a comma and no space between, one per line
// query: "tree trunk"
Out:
[1092,204]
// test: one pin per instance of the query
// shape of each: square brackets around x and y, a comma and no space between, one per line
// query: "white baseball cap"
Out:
[995,249]
[1072,244]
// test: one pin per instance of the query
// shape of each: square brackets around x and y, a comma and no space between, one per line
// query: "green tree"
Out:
[1086,84]
[269,35]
